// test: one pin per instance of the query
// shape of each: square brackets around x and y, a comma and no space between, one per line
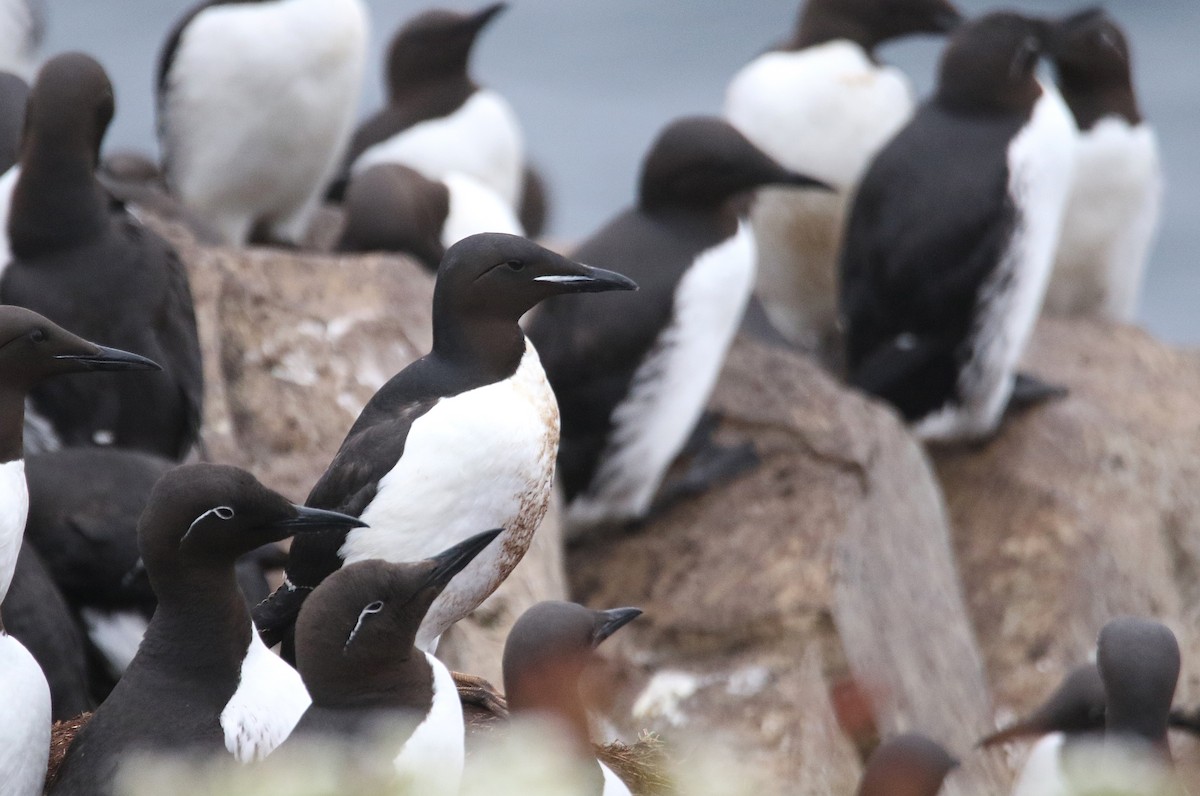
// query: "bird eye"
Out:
[38,335]
[372,608]
[515,265]
[223,512]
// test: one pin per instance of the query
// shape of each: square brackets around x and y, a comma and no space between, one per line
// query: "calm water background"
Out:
[594,80]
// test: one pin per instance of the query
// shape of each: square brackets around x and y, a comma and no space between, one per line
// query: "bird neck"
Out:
[1090,101]
[555,698]
[12,422]
[488,348]
[57,202]
[201,621]
[391,683]
[823,22]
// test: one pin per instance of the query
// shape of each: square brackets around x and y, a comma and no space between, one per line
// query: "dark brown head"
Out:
[434,46]
[1075,707]
[1139,662]
[70,106]
[870,23]
[550,646]
[906,765]
[389,207]
[703,162]
[204,516]
[990,65]
[1092,59]
[363,619]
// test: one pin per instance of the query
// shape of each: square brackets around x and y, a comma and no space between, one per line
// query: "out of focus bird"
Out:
[952,236]
[1112,215]
[437,119]
[389,207]
[906,765]
[94,268]
[633,374]
[256,102]
[822,103]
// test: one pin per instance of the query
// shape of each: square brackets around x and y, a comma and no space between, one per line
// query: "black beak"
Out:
[611,621]
[450,562]
[483,16]
[802,181]
[104,358]
[585,279]
[309,520]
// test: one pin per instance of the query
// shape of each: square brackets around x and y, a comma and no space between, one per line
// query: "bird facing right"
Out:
[952,237]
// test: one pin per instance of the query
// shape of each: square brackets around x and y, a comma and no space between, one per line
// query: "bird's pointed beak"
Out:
[573,277]
[799,180]
[613,620]
[450,562]
[480,19]
[310,520]
[104,358]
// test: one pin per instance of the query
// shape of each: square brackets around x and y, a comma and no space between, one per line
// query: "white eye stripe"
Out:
[220,512]
[373,608]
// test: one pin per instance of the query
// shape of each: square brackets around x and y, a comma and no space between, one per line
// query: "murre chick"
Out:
[906,765]
[462,439]
[632,376]
[31,349]
[438,119]
[821,103]
[1138,661]
[546,652]
[1116,195]
[202,681]
[369,684]
[256,102]
[99,271]
[952,236]
[389,207]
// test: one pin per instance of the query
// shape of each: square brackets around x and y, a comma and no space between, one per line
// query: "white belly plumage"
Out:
[1112,216]
[480,460]
[671,387]
[259,105]
[823,111]
[24,721]
[268,703]
[8,181]
[475,208]
[431,761]
[1040,161]
[116,634]
[19,35]
[14,510]
[481,139]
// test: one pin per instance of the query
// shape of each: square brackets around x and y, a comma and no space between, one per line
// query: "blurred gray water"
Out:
[594,80]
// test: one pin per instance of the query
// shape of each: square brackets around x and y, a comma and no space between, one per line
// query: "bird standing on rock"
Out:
[1116,195]
[438,120]
[31,349]
[97,270]
[952,236]
[545,654]
[202,680]
[821,103]
[369,683]
[632,376]
[256,101]
[462,439]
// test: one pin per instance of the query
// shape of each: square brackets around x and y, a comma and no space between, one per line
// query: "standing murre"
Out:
[369,683]
[437,119]
[389,207]
[1116,195]
[821,103]
[546,652]
[202,681]
[256,101]
[99,271]
[632,376]
[906,765]
[31,349]
[1138,661]
[952,236]
[462,439]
